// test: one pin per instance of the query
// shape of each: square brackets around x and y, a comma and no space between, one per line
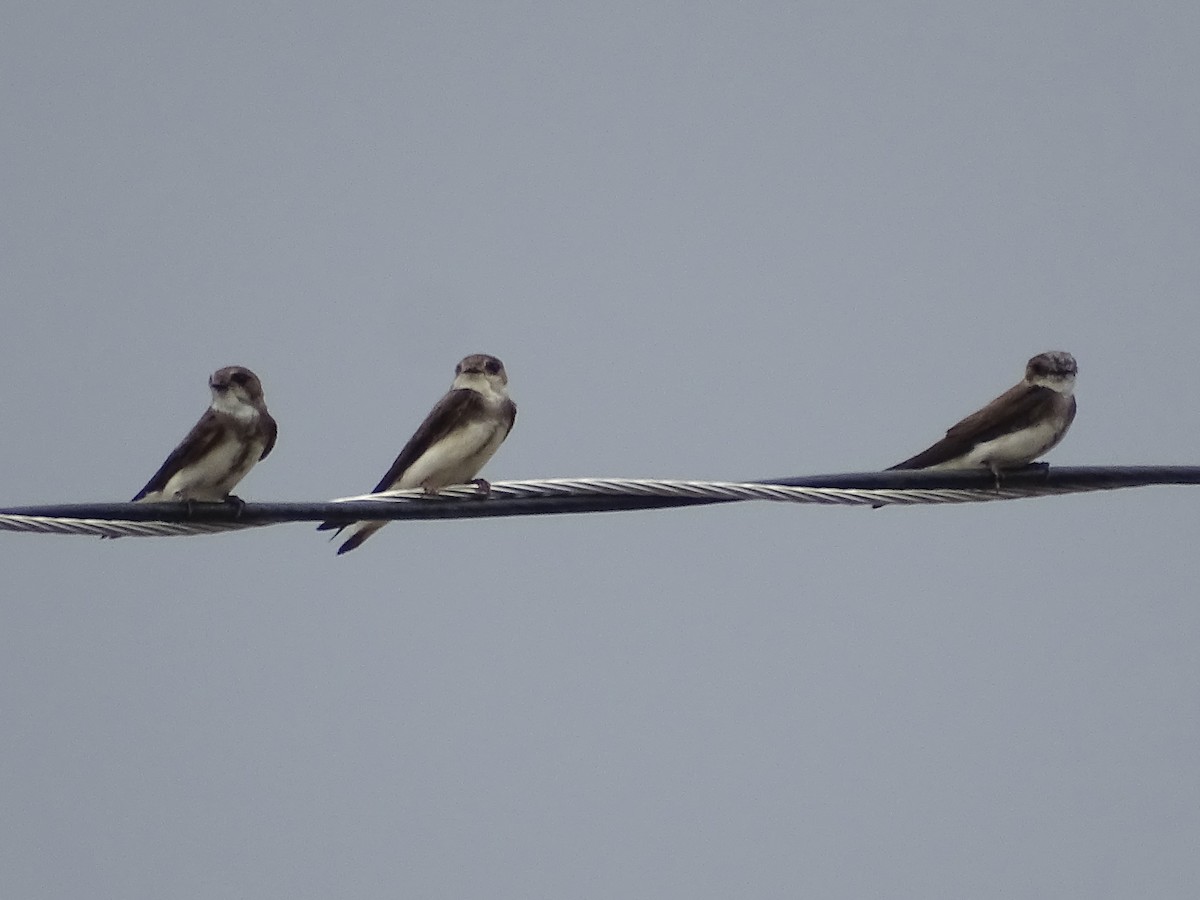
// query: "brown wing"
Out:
[270,429]
[452,410]
[458,405]
[510,413]
[1018,406]
[199,441]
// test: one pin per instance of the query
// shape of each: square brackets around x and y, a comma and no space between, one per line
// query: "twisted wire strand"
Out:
[114,528]
[577,495]
[710,492]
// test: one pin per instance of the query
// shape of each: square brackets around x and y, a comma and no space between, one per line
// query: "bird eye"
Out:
[492,366]
[240,378]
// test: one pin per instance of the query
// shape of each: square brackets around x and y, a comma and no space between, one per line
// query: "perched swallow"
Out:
[454,442]
[1014,429]
[234,433]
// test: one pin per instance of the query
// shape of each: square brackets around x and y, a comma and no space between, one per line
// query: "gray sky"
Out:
[707,241]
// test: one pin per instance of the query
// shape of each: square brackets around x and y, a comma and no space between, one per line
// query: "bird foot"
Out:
[238,505]
[483,488]
[1039,468]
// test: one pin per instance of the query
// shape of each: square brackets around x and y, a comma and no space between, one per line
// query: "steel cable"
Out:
[582,495]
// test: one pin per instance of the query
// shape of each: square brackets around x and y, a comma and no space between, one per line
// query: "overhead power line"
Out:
[588,495]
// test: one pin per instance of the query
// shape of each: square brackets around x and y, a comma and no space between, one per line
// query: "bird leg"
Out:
[995,474]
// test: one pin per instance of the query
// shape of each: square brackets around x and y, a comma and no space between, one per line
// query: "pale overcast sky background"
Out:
[728,241]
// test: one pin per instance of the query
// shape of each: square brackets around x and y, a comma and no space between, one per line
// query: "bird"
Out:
[235,432]
[460,434]
[1016,428]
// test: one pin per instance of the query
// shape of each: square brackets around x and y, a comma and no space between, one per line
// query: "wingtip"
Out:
[352,542]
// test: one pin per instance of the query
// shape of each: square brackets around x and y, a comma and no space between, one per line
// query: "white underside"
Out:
[455,459]
[211,478]
[1008,451]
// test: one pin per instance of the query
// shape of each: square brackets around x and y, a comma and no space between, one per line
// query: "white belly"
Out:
[1008,451]
[213,476]
[455,459]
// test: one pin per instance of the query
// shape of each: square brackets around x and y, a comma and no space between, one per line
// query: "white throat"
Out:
[1064,384]
[491,387]
[232,404]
